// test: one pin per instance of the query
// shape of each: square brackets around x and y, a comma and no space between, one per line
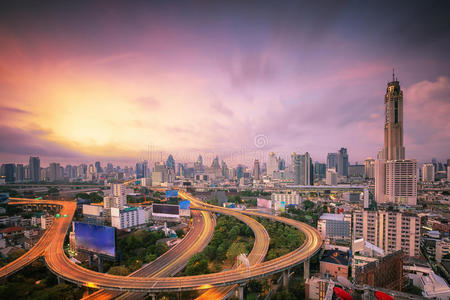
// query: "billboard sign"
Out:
[264,203]
[95,238]
[185,204]
[165,210]
[171,193]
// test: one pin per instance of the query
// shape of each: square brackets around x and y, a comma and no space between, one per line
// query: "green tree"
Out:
[236,249]
[119,270]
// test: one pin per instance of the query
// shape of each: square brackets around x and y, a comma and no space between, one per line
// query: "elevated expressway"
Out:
[48,236]
[173,260]
[60,264]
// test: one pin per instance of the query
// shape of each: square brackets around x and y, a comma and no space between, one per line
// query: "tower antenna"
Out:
[393,74]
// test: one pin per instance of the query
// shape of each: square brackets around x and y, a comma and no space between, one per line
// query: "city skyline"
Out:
[103,89]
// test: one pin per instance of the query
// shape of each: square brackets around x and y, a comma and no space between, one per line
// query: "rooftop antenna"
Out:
[393,75]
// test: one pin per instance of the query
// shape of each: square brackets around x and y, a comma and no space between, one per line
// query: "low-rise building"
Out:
[334,226]
[385,272]
[127,217]
[334,263]
[432,285]
[442,248]
[289,198]
[46,221]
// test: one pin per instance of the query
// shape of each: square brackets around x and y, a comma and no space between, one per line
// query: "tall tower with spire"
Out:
[393,125]
[395,176]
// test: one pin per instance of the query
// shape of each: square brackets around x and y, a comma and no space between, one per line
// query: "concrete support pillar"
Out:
[286,279]
[306,269]
[59,280]
[91,258]
[100,264]
[241,292]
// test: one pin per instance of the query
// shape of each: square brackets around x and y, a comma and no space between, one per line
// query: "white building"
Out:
[401,182]
[389,230]
[127,217]
[335,226]
[35,221]
[432,285]
[117,197]
[46,221]
[331,177]
[428,173]
[292,198]
[92,210]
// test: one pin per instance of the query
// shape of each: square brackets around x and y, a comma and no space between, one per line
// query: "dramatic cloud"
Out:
[117,80]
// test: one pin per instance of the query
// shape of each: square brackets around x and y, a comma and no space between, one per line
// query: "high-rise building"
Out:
[342,162]
[356,170]
[393,125]
[303,170]
[389,230]
[256,170]
[35,169]
[215,163]
[428,173]
[198,165]
[9,171]
[401,182]
[20,173]
[320,170]
[369,168]
[331,177]
[225,171]
[272,164]
[98,167]
[54,172]
[117,197]
[332,161]
[170,162]
[395,177]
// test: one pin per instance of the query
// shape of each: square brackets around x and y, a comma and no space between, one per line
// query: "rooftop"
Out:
[336,217]
[335,257]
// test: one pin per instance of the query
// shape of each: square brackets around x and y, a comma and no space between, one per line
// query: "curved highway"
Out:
[39,248]
[60,264]
[173,260]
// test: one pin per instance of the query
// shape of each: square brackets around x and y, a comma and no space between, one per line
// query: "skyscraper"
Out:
[395,177]
[215,163]
[35,169]
[393,124]
[331,161]
[54,172]
[428,173]
[256,170]
[272,164]
[369,168]
[9,171]
[20,173]
[342,162]
[303,171]
[170,163]
[98,167]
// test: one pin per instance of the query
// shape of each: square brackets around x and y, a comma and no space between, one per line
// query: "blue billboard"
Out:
[95,238]
[171,193]
[185,204]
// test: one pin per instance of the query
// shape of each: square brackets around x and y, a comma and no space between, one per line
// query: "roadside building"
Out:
[334,263]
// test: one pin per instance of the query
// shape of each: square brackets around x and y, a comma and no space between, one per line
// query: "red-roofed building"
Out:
[12,231]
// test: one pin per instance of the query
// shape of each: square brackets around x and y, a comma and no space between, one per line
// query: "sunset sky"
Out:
[83,81]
